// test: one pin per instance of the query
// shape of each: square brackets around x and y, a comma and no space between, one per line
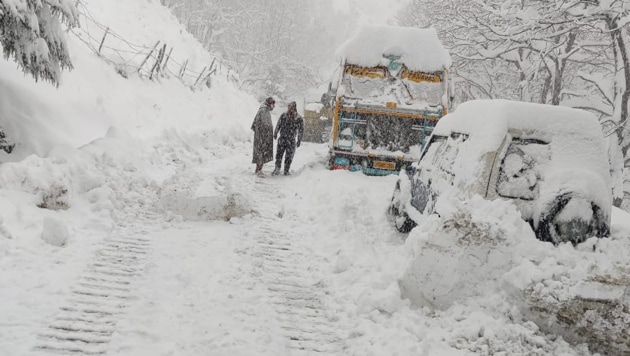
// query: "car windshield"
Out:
[442,151]
[520,169]
[437,161]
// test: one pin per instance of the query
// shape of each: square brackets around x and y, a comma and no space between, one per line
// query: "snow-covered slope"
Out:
[138,228]
[94,97]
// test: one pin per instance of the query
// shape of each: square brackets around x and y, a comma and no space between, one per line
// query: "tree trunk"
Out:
[625,96]
[622,87]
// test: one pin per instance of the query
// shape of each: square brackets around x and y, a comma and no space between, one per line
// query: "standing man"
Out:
[289,125]
[263,136]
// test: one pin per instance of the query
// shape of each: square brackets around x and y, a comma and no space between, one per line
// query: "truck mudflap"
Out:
[369,165]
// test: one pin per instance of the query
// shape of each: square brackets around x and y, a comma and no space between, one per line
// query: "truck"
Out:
[389,90]
[317,122]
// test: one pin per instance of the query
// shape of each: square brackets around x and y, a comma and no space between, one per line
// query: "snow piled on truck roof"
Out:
[419,49]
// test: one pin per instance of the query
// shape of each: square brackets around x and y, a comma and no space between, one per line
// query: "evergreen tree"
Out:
[5,144]
[31,33]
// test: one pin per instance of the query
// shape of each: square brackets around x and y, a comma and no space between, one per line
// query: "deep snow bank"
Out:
[480,251]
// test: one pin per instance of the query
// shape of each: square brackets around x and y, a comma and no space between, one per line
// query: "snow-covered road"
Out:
[201,257]
[173,277]
[252,286]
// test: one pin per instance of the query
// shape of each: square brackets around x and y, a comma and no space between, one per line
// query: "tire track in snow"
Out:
[86,322]
[291,273]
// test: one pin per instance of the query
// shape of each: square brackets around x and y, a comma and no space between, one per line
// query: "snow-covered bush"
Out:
[5,144]
[54,198]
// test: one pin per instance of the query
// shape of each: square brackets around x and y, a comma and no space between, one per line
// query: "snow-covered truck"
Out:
[389,91]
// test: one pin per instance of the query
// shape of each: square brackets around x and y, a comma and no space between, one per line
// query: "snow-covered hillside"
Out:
[131,224]
[94,97]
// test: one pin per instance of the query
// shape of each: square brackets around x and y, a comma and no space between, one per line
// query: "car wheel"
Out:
[397,212]
[557,224]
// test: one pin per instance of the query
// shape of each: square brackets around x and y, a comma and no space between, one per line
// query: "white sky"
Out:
[148,168]
[374,12]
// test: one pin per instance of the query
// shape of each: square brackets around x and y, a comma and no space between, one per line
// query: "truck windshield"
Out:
[431,93]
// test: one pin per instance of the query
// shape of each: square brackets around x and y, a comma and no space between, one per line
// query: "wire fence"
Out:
[147,61]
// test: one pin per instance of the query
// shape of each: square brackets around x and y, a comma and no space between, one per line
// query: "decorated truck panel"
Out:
[390,90]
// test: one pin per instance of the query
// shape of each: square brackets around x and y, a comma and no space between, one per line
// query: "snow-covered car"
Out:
[550,161]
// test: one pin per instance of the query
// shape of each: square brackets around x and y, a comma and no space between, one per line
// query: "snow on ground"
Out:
[139,229]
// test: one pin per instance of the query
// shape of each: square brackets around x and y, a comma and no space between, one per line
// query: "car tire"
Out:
[397,212]
[575,231]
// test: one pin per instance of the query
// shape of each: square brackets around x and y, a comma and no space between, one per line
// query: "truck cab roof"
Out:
[419,49]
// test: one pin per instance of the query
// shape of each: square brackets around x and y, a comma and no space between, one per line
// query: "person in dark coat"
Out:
[263,135]
[290,126]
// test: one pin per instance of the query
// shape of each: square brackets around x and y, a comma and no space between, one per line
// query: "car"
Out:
[550,161]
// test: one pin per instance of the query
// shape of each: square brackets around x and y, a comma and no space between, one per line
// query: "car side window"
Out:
[520,169]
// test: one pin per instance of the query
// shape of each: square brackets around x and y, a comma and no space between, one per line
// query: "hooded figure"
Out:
[263,135]
[290,126]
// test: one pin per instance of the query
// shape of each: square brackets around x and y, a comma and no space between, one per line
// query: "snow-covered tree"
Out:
[512,49]
[276,46]
[31,33]
[5,144]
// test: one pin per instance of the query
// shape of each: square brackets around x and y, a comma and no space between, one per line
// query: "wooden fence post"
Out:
[207,78]
[158,61]
[199,77]
[182,70]
[161,58]
[103,41]
[148,55]
[168,56]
